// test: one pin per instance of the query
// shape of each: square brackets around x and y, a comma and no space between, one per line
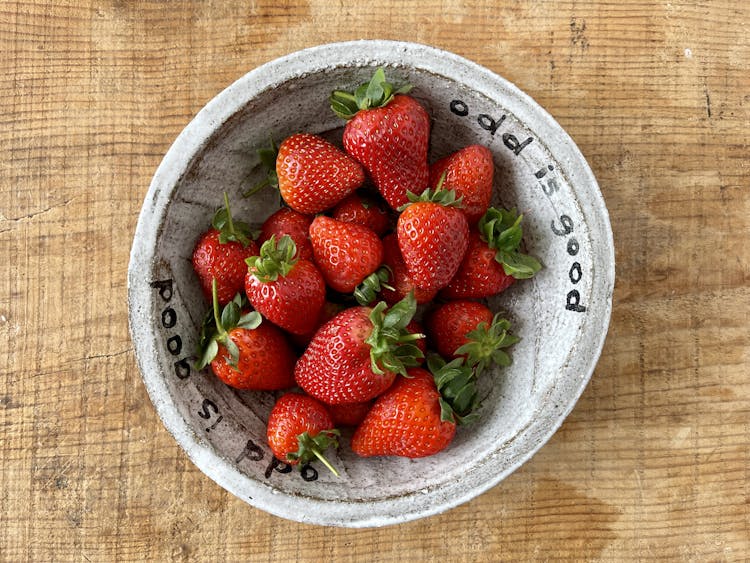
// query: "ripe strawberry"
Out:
[287,221]
[314,175]
[364,210]
[349,414]
[327,312]
[300,429]
[469,330]
[493,260]
[399,283]
[469,172]
[288,291]
[433,235]
[220,254]
[356,355]
[346,253]
[388,132]
[243,351]
[417,416]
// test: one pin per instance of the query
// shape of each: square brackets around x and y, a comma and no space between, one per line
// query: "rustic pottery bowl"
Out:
[561,315]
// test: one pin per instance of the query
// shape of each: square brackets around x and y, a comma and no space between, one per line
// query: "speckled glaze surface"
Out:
[561,315]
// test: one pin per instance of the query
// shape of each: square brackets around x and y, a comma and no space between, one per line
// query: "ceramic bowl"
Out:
[561,315]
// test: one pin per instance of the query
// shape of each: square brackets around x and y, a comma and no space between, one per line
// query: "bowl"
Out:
[561,315]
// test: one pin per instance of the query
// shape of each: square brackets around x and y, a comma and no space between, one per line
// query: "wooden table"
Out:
[652,463]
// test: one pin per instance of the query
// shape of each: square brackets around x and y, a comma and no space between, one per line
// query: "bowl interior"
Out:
[561,315]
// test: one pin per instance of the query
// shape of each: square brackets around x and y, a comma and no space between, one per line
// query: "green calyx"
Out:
[501,230]
[367,291]
[216,327]
[312,447]
[373,94]
[456,383]
[486,345]
[392,346]
[439,195]
[229,229]
[274,259]
[267,156]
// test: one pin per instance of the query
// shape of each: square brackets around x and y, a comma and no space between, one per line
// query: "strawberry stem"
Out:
[229,229]
[325,462]
[267,156]
[310,447]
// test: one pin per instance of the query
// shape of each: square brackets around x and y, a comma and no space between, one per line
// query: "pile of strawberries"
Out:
[324,300]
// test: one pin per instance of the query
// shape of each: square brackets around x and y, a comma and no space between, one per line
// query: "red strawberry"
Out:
[314,175]
[356,355]
[493,260]
[399,279]
[433,236]
[363,210]
[346,253]
[467,329]
[288,291]
[349,414]
[287,221]
[243,351]
[416,418]
[220,254]
[469,172]
[300,429]
[388,132]
[327,312]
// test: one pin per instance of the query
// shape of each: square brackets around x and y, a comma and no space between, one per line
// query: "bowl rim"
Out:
[175,165]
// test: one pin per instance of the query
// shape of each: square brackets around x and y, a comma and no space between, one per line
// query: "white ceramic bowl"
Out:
[561,315]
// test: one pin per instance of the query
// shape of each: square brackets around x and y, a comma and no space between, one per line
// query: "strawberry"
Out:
[243,351]
[288,291]
[287,221]
[493,260]
[364,210]
[417,416]
[433,235]
[469,172]
[313,174]
[220,254]
[349,414]
[327,312]
[356,355]
[300,429]
[388,132]
[399,283]
[467,329]
[346,253]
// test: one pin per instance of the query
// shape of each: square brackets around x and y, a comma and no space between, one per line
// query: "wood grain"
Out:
[652,463]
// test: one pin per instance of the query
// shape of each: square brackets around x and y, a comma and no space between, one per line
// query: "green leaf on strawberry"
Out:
[439,195]
[456,382]
[391,344]
[275,259]
[376,93]
[367,291]
[216,327]
[486,343]
[501,230]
